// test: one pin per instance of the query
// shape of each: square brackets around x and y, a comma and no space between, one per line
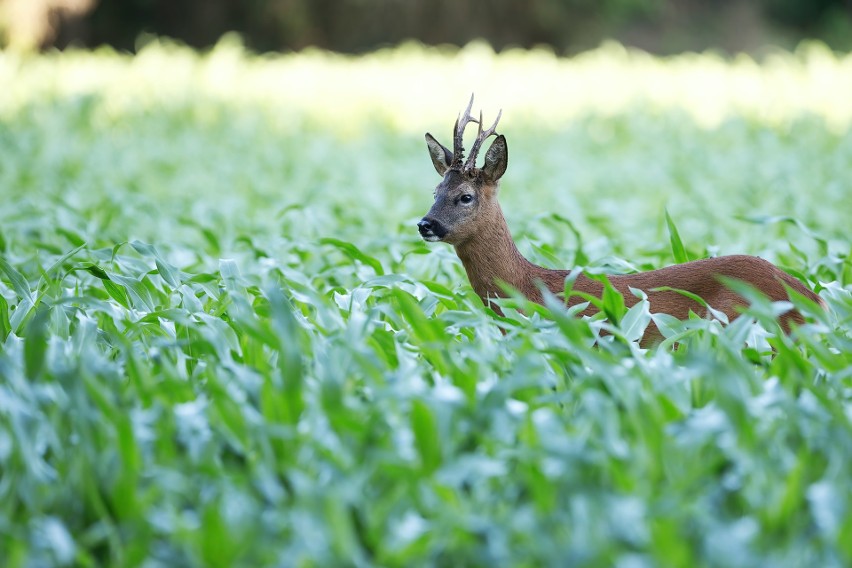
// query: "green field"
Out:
[224,343]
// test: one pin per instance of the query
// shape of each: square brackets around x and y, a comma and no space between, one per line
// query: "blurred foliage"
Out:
[567,26]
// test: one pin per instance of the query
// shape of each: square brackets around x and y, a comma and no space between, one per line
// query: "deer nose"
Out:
[425,226]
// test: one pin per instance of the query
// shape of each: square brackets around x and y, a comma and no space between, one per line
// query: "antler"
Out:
[461,123]
[480,138]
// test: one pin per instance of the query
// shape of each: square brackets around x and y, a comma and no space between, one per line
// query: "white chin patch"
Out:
[432,238]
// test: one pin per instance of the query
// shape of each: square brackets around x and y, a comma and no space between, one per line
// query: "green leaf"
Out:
[19,283]
[611,301]
[426,437]
[5,324]
[117,293]
[73,237]
[95,270]
[636,320]
[678,250]
[136,291]
[580,258]
[115,290]
[354,253]
[718,314]
[290,354]
[61,260]
[35,343]
[169,273]
[411,310]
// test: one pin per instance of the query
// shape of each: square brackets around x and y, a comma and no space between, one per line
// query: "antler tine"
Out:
[458,136]
[480,138]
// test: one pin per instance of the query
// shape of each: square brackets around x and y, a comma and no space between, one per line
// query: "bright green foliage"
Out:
[224,344]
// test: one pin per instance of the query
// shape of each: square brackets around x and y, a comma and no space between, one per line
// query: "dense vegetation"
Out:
[223,342]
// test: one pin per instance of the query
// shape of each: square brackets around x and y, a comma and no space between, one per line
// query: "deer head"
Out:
[466,199]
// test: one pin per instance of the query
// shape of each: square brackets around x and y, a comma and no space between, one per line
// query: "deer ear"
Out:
[496,159]
[441,157]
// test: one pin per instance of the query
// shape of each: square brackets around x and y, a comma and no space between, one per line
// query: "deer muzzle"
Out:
[431,230]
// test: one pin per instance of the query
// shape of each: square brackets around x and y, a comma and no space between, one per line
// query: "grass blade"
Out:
[678,250]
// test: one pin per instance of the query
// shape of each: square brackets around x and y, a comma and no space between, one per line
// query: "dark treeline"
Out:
[661,26]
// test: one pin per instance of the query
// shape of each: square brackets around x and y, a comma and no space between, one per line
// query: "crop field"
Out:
[223,343]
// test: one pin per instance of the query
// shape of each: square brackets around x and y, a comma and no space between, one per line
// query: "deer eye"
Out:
[466,198]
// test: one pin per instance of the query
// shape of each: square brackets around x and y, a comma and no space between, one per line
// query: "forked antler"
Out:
[458,136]
[461,123]
[480,138]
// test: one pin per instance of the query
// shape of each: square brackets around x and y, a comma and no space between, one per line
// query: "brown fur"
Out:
[491,257]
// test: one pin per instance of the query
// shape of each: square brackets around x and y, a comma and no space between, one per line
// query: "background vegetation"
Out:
[223,342]
[567,26]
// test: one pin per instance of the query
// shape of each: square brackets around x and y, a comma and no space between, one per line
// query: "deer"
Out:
[466,214]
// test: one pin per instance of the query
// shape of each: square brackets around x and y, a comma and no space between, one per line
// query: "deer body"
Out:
[466,214]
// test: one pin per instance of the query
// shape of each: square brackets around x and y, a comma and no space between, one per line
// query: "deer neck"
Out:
[490,256]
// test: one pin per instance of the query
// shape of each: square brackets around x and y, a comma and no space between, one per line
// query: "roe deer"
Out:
[466,214]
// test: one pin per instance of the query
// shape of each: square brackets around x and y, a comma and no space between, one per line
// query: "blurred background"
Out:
[356,26]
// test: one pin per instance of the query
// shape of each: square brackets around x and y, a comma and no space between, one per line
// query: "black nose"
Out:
[425,226]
